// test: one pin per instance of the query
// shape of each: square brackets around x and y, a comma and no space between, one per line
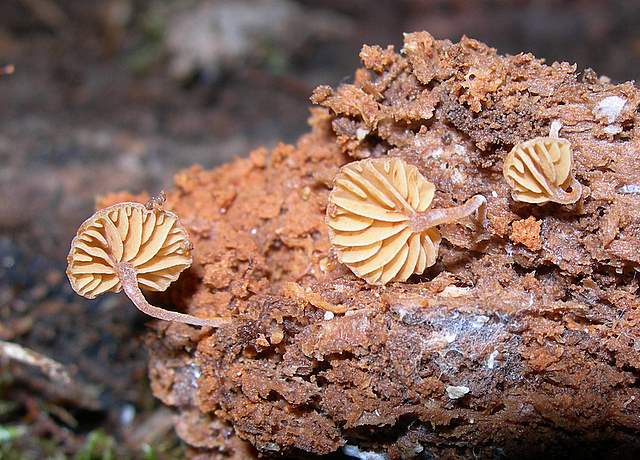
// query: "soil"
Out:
[92,108]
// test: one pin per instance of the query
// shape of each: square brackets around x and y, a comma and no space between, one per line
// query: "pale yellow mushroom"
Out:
[127,246]
[539,171]
[380,223]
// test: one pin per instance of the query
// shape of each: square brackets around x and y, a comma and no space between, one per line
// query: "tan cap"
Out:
[379,219]
[151,240]
[539,171]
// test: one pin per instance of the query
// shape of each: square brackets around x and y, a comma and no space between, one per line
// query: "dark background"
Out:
[120,94]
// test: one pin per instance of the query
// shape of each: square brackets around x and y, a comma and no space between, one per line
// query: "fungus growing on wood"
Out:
[128,246]
[539,171]
[380,223]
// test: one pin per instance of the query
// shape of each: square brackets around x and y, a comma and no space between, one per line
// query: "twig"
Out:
[75,394]
[53,369]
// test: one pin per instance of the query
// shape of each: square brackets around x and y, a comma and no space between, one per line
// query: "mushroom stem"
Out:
[424,220]
[554,130]
[129,280]
[563,197]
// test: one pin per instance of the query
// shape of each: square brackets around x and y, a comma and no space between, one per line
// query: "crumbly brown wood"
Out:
[546,341]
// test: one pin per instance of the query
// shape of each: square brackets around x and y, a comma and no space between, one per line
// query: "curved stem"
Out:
[431,218]
[562,197]
[128,278]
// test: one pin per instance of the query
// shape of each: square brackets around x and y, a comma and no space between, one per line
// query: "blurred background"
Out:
[112,95]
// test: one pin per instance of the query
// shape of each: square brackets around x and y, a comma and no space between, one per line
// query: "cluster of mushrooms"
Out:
[379,218]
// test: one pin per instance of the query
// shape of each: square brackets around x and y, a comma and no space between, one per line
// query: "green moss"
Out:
[98,446]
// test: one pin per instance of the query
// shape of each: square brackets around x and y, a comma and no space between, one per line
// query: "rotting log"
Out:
[521,341]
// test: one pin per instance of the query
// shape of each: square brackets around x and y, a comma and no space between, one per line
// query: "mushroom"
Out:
[127,246]
[380,223]
[539,171]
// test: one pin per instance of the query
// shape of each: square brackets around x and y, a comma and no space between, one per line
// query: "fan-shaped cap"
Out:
[369,218]
[152,241]
[539,170]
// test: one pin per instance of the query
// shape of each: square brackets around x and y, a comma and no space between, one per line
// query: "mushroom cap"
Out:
[152,240]
[534,168]
[369,213]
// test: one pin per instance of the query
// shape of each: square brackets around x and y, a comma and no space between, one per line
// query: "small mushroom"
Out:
[539,171]
[126,246]
[380,223]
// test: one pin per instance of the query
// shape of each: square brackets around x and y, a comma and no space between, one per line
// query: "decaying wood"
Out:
[520,342]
